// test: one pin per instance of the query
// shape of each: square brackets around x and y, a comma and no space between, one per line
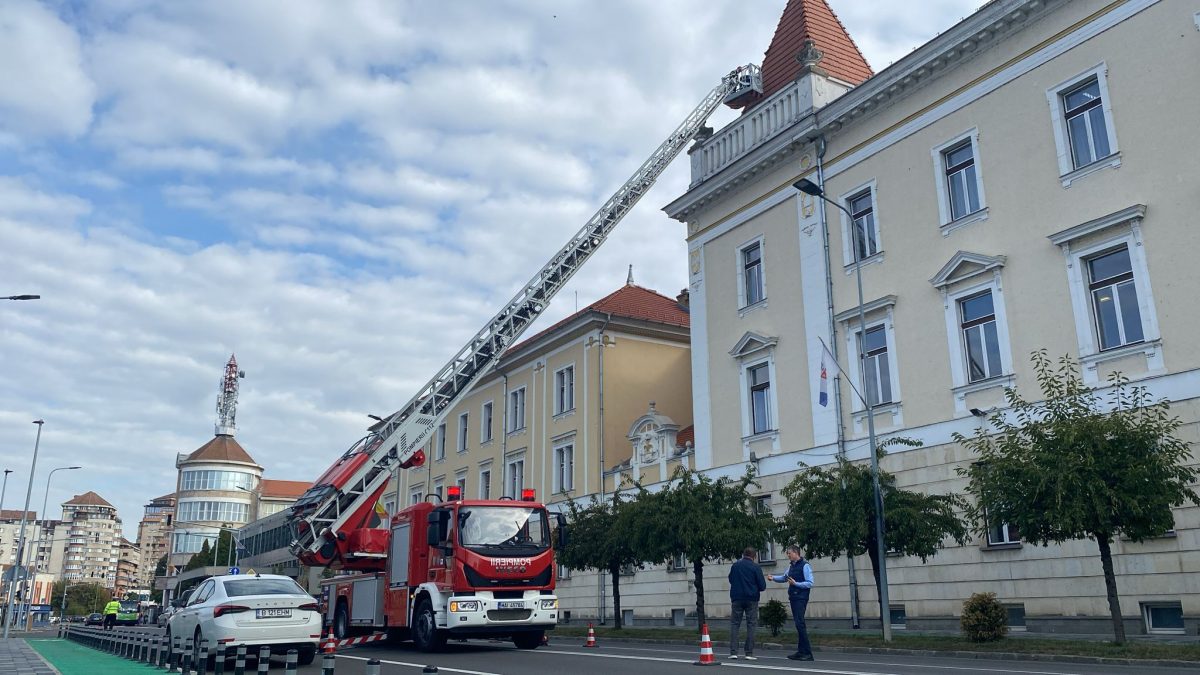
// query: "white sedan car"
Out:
[253,610]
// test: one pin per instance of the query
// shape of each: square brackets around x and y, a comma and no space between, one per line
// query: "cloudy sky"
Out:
[338,192]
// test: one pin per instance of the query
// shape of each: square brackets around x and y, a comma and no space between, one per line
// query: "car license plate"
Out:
[511,604]
[273,613]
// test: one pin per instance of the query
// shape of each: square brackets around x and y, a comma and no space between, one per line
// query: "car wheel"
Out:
[170,647]
[306,655]
[530,640]
[341,622]
[425,634]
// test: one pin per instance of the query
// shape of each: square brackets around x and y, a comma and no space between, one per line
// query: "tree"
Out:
[201,559]
[81,598]
[701,518]
[831,513]
[599,540]
[159,570]
[1081,465]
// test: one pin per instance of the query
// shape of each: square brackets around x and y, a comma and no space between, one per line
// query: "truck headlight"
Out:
[552,603]
[464,605]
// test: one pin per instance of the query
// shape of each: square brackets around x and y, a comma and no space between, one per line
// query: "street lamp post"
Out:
[810,188]
[8,615]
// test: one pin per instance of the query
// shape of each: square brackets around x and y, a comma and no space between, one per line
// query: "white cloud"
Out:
[45,90]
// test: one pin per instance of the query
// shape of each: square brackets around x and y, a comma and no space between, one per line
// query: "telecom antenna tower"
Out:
[227,398]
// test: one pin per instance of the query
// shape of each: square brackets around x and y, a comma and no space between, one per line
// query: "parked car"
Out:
[94,619]
[254,610]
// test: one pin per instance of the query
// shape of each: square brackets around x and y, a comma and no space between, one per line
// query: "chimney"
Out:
[684,299]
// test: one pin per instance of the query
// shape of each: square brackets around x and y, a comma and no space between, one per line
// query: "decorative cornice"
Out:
[752,342]
[1125,215]
[949,272]
[886,301]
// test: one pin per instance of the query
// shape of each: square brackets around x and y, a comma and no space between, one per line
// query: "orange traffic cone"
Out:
[706,652]
[330,643]
[591,639]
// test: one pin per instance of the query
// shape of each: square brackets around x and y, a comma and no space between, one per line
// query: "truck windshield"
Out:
[503,527]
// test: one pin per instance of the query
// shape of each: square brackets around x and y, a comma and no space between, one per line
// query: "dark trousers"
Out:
[738,609]
[110,620]
[799,607]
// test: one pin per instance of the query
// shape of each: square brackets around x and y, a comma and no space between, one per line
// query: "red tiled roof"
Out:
[284,489]
[810,20]
[88,499]
[15,514]
[686,435]
[221,449]
[628,302]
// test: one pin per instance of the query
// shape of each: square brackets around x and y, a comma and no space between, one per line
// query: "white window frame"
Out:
[1067,170]
[1008,539]
[439,443]
[677,563]
[1121,228]
[747,398]
[879,312]
[485,481]
[740,270]
[848,234]
[516,399]
[948,222]
[1147,606]
[464,419]
[564,480]
[958,351]
[564,572]
[439,487]
[487,413]
[564,401]
[511,462]
[460,480]
[767,554]
[416,494]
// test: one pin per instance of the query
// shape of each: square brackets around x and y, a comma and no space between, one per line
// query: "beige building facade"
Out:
[154,536]
[93,532]
[1018,183]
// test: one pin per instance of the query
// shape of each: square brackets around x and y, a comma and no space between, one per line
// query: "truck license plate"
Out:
[273,613]
[511,604]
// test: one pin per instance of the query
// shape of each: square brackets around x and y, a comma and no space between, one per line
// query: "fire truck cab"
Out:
[463,569]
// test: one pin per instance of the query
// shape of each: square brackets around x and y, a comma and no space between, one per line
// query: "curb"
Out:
[955,654]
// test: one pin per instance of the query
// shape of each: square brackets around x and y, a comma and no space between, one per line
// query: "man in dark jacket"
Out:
[746,583]
[799,579]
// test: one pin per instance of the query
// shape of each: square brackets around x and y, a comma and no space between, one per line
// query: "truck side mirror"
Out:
[564,532]
[434,533]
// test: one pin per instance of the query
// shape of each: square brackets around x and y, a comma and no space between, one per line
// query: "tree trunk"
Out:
[873,554]
[698,574]
[615,571]
[1110,585]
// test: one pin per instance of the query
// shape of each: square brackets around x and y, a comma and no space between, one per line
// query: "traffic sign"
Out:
[235,570]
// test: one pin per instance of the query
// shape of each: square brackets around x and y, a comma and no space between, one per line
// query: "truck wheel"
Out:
[530,640]
[341,622]
[425,634]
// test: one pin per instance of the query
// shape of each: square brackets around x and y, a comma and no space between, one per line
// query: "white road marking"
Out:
[446,669]
[802,669]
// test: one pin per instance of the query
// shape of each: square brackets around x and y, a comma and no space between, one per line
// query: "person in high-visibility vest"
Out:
[110,614]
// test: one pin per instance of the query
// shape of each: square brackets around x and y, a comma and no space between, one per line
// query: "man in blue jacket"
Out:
[799,579]
[746,584]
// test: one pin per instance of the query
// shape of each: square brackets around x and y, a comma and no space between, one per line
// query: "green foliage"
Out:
[984,619]
[599,540]
[82,599]
[201,559]
[831,513]
[773,615]
[1081,464]
[220,555]
[702,518]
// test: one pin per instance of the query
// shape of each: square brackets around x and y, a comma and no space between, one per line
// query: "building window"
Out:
[981,341]
[1016,617]
[1081,112]
[1163,618]
[1087,131]
[564,572]
[1000,534]
[564,390]
[485,431]
[440,453]
[212,511]
[762,505]
[961,176]
[877,374]
[514,480]
[899,617]
[208,479]
[485,482]
[677,563]
[439,488]
[628,570]
[463,420]
[864,234]
[753,290]
[564,468]
[416,494]
[759,381]
[516,410]
[1118,319]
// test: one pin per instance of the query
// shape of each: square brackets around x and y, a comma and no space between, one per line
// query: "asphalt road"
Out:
[566,655]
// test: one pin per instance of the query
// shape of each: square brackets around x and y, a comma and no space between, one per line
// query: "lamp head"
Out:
[808,187]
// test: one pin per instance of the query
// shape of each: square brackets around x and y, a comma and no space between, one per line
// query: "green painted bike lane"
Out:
[71,658]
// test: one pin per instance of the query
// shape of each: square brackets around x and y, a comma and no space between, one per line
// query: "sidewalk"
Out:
[72,658]
[16,656]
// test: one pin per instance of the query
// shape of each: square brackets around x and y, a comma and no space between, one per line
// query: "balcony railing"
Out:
[765,121]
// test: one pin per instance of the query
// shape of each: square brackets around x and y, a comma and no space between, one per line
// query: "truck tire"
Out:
[425,634]
[529,640]
[341,622]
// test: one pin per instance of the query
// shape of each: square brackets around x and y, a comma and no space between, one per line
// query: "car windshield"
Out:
[129,606]
[257,586]
[503,526]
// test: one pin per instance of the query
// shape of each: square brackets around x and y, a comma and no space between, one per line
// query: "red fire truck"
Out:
[458,569]
[464,568]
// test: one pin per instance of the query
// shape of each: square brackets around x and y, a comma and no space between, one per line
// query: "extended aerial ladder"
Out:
[331,522]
